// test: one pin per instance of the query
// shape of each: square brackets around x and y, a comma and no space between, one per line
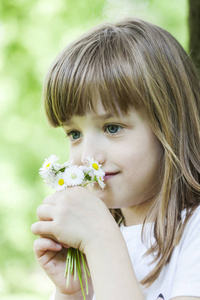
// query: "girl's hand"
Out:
[73,217]
[77,218]
[52,258]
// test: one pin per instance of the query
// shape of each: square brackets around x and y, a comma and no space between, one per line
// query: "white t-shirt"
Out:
[181,276]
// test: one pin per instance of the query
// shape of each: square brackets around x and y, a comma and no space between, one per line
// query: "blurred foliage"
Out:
[32,32]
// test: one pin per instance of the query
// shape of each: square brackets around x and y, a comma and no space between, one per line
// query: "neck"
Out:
[136,214]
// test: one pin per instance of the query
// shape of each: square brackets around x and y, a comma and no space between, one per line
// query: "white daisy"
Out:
[100,182]
[68,163]
[74,175]
[49,180]
[94,168]
[65,165]
[60,182]
[48,166]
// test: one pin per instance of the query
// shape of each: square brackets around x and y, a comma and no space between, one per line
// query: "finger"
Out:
[55,240]
[42,228]
[51,199]
[45,212]
[42,245]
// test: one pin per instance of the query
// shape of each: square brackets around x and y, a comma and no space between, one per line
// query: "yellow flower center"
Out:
[48,165]
[73,176]
[61,181]
[95,166]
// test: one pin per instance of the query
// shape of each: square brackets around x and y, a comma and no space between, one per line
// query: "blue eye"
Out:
[113,129]
[74,135]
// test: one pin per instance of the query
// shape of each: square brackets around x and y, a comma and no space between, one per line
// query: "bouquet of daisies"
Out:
[59,177]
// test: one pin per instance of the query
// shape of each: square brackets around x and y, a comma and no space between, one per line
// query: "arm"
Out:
[76,296]
[112,273]
[77,218]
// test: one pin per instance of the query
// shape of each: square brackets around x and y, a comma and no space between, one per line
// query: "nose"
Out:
[93,146]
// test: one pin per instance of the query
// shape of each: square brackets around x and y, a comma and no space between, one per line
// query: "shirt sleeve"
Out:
[187,276]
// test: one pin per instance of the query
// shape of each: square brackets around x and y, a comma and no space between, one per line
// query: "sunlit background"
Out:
[32,32]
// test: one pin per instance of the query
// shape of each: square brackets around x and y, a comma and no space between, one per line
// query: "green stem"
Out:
[80,273]
[73,266]
[85,272]
[69,262]
[88,182]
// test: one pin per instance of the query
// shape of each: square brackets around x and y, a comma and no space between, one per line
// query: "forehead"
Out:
[131,116]
[98,112]
[95,108]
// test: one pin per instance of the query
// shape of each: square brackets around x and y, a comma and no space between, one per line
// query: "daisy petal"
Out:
[60,182]
[74,175]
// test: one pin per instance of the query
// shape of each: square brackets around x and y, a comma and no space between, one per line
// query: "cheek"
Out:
[75,155]
[150,159]
[144,158]
[150,169]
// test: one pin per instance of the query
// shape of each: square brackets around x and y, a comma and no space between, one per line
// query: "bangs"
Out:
[99,67]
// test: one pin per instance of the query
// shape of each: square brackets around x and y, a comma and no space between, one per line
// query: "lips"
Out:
[109,175]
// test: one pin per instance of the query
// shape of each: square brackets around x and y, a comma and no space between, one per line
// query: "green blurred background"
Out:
[32,32]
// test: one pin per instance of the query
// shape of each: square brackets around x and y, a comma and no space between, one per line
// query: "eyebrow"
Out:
[105,116]
[99,116]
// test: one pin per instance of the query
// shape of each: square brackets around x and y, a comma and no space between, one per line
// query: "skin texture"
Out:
[130,155]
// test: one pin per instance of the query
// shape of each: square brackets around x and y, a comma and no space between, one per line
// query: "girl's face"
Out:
[126,147]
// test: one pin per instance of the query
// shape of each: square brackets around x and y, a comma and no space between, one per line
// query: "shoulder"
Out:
[193,224]
[191,233]
[195,215]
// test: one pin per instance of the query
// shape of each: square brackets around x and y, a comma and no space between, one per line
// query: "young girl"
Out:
[126,94]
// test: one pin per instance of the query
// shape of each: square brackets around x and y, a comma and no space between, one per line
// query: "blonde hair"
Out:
[137,64]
